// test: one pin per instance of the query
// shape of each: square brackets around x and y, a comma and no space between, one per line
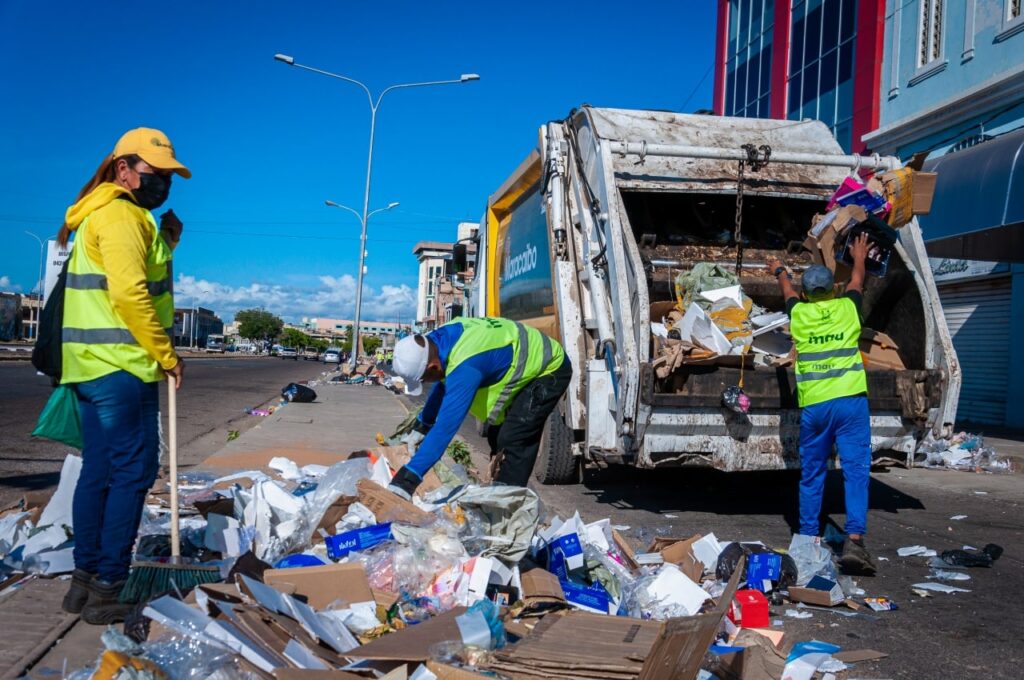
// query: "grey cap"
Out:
[817,281]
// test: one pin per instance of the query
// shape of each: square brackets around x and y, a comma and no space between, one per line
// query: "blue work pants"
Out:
[120,460]
[844,423]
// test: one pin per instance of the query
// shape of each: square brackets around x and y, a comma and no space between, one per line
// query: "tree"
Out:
[258,324]
[292,337]
[346,344]
[371,343]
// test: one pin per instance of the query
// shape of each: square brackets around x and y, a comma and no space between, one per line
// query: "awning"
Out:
[978,209]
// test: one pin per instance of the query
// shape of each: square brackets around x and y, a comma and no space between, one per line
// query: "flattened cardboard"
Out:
[388,507]
[541,588]
[627,552]
[323,585]
[412,644]
[303,674]
[857,655]
[445,672]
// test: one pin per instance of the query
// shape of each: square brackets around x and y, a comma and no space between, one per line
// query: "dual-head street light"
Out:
[374,105]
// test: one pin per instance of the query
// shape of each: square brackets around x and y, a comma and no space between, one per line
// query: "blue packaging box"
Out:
[568,550]
[592,598]
[358,539]
[762,569]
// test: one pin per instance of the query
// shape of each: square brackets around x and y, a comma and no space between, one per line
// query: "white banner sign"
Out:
[55,257]
[945,269]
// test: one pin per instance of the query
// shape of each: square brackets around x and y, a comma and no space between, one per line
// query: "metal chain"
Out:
[738,233]
[758,158]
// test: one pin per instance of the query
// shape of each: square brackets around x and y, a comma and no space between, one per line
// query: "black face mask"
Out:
[153,190]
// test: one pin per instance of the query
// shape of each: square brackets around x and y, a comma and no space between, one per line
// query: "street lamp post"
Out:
[39,285]
[362,255]
[374,105]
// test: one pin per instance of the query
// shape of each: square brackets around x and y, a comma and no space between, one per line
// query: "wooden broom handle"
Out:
[172,452]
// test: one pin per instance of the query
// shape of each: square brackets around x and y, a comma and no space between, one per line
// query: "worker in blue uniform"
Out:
[832,393]
[508,375]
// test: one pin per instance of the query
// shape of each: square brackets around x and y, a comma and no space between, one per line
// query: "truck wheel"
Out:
[555,462]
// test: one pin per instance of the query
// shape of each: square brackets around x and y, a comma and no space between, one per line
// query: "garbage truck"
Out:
[587,237]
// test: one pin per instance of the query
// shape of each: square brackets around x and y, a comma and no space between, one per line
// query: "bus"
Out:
[215,343]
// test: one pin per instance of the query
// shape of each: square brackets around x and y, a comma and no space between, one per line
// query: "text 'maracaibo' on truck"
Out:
[586,239]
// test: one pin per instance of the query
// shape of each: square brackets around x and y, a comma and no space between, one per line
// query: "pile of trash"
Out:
[712,319]
[964,452]
[324,568]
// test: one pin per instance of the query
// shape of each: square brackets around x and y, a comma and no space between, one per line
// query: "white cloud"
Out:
[5,284]
[334,298]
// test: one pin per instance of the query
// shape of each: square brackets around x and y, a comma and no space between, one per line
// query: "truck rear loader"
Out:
[585,240]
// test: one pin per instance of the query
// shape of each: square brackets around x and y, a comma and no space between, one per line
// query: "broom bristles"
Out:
[153,578]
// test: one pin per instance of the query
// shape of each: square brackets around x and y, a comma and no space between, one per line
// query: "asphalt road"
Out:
[960,635]
[212,402]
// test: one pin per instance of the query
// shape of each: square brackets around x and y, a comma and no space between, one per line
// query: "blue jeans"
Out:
[120,460]
[845,423]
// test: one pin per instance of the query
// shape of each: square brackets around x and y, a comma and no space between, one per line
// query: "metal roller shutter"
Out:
[978,315]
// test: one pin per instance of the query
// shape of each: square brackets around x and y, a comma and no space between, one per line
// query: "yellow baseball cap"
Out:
[152,146]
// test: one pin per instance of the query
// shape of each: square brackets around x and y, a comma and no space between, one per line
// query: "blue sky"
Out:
[268,144]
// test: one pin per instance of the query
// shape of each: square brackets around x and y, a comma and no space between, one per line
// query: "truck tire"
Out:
[556,463]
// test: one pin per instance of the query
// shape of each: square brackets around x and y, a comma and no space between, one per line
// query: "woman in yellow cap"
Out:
[117,346]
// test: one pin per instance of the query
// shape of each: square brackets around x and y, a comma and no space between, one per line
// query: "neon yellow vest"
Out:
[828,361]
[534,355]
[96,342]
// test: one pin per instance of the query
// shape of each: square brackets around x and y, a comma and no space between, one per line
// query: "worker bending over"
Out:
[508,375]
[832,391]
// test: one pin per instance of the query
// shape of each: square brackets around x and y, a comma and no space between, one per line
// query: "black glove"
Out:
[404,483]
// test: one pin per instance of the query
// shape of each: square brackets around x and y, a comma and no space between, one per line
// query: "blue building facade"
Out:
[953,87]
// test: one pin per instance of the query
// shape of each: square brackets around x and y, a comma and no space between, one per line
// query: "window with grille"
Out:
[1013,10]
[930,32]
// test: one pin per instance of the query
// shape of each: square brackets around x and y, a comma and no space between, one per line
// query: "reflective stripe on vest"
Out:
[96,341]
[533,355]
[828,363]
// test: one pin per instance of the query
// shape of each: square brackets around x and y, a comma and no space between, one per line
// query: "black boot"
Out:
[78,593]
[856,560]
[103,607]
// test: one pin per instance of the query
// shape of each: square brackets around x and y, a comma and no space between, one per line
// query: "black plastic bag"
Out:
[298,394]
[47,355]
[730,557]
[962,558]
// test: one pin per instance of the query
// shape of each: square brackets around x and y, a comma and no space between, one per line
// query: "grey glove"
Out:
[412,440]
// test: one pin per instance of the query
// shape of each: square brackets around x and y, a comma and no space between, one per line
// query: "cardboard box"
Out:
[750,609]
[819,591]
[387,507]
[680,553]
[445,672]
[924,191]
[323,585]
[762,569]
[879,351]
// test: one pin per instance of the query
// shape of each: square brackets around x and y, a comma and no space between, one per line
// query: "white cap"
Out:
[410,361]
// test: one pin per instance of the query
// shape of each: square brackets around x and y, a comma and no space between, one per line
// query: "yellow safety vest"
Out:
[96,341]
[828,361]
[534,355]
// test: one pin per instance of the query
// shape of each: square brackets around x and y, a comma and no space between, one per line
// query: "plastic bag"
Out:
[503,517]
[735,399]
[962,558]
[61,420]
[703,276]
[298,394]
[812,559]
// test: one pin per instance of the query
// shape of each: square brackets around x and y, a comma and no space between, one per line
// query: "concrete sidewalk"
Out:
[344,418]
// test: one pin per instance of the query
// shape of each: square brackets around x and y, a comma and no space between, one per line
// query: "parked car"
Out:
[310,354]
[288,353]
[331,356]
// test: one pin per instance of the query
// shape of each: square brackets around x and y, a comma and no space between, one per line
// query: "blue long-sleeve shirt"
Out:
[450,399]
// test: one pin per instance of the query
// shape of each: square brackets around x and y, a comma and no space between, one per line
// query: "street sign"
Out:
[56,255]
